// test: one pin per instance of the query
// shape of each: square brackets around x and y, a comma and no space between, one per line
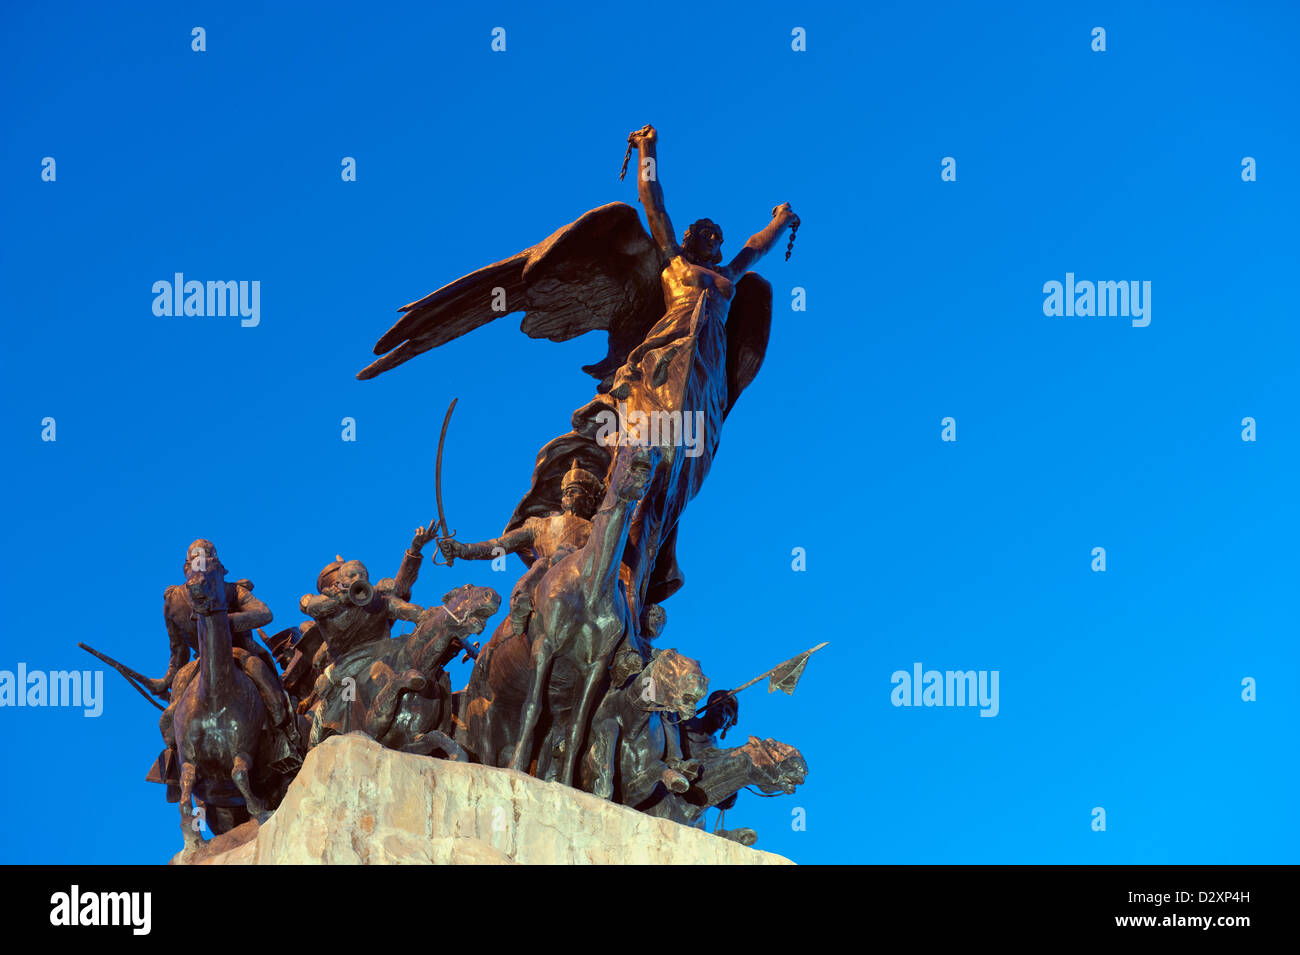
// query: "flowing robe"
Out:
[680,367]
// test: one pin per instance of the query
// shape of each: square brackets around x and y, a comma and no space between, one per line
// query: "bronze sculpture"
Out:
[541,541]
[581,617]
[219,717]
[773,767]
[570,687]
[351,615]
[686,336]
[182,622]
[634,754]
[400,694]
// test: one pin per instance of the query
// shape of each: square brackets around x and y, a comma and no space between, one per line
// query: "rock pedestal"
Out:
[355,802]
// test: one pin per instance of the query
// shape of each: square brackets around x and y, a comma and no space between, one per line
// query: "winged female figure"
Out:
[686,335]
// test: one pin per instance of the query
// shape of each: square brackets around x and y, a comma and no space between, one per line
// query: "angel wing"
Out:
[749,323]
[599,272]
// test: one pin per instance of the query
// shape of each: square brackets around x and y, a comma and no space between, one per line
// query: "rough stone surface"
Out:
[355,802]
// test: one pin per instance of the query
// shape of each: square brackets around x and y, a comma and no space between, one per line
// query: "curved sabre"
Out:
[437,480]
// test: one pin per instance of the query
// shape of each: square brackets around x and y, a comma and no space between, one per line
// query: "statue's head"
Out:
[580,492]
[722,714]
[341,572]
[656,619]
[350,572]
[702,243]
[201,557]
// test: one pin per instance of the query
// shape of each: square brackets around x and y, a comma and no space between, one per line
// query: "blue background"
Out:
[1119,689]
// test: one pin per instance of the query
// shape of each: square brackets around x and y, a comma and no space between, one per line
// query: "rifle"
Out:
[130,675]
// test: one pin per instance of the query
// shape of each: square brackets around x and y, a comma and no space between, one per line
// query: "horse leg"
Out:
[586,704]
[239,776]
[542,660]
[426,744]
[288,748]
[600,757]
[387,702]
[191,833]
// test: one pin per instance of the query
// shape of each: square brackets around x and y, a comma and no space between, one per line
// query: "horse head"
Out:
[777,767]
[673,683]
[632,473]
[471,606]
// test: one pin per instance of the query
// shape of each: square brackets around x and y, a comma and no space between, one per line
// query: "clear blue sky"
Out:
[1119,690]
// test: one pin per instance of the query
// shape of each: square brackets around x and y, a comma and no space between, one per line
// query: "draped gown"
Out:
[681,366]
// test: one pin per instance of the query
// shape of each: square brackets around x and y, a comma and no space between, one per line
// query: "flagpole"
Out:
[744,686]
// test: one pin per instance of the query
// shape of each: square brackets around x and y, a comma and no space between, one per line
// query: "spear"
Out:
[784,677]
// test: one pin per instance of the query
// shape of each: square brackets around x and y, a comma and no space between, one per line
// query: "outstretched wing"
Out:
[599,272]
[749,322]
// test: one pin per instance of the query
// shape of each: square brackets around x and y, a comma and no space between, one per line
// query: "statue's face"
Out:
[351,571]
[199,558]
[576,499]
[656,621]
[708,245]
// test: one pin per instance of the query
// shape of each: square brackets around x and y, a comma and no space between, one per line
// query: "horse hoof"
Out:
[190,852]
[746,836]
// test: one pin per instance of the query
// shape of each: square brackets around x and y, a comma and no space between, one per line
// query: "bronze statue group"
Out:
[573,686]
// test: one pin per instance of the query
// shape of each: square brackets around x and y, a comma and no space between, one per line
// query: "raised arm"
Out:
[650,192]
[519,539]
[411,560]
[761,243]
[321,606]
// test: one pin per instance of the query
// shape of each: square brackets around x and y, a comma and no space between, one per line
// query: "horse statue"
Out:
[402,688]
[219,719]
[633,750]
[771,766]
[531,694]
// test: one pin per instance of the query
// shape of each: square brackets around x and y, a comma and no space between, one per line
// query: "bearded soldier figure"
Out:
[540,541]
[247,612]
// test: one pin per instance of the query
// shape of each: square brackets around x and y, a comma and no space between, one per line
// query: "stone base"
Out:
[355,802]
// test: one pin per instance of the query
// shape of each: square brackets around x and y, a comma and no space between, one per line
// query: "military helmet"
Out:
[584,479]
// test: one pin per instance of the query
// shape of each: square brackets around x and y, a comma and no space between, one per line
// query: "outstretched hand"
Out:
[423,535]
[786,214]
[450,547]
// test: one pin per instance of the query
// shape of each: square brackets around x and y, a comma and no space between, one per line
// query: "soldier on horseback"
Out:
[182,630]
[544,540]
[350,613]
